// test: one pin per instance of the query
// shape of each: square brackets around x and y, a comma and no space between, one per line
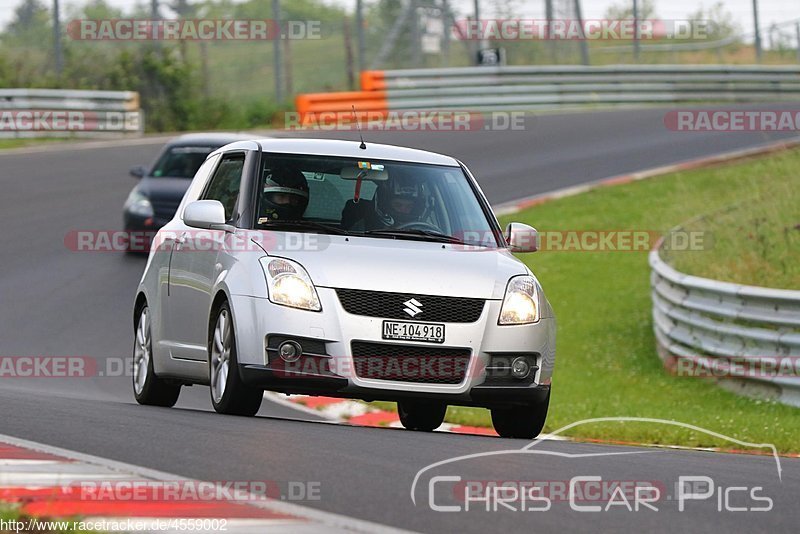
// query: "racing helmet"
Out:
[285,194]
[401,199]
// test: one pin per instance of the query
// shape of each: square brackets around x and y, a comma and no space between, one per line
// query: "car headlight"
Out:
[289,284]
[138,204]
[521,302]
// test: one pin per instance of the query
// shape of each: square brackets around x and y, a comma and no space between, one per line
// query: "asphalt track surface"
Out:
[59,302]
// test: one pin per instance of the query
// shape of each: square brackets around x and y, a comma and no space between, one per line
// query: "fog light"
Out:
[520,368]
[290,351]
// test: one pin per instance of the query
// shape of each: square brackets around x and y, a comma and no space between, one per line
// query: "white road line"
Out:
[5,462]
[330,521]
[53,479]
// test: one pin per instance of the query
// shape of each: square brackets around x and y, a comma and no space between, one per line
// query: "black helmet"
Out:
[401,199]
[285,194]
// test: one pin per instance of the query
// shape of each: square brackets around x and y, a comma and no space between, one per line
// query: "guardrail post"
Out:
[360,35]
[59,59]
[276,52]
[584,45]
[797,36]
[636,31]
[757,42]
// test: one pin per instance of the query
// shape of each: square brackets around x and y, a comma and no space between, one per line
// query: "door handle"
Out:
[182,239]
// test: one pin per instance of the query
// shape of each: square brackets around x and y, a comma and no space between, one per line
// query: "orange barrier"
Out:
[373,80]
[369,102]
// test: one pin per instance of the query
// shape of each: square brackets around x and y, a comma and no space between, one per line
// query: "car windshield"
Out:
[181,161]
[376,198]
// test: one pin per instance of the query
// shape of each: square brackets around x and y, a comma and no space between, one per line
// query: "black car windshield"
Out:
[376,198]
[181,161]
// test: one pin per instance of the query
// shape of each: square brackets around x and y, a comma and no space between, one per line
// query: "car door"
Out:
[194,267]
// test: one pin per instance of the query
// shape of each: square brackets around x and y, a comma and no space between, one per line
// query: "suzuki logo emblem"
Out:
[413,307]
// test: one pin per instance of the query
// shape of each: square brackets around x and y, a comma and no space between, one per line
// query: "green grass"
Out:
[755,242]
[18,143]
[606,363]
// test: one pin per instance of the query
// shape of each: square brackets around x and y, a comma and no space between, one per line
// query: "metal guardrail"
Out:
[548,87]
[747,336]
[536,87]
[67,113]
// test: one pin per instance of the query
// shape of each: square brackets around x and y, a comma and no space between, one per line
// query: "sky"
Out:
[770,10]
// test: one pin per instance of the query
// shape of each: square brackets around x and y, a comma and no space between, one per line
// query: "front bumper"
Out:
[332,330]
[480,395]
[141,231]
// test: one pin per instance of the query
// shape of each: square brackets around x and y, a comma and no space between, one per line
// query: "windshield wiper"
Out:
[305,225]
[427,235]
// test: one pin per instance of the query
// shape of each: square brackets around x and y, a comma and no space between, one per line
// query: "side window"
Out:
[199,182]
[225,183]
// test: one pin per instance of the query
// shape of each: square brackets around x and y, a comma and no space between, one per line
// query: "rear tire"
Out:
[148,389]
[521,421]
[421,415]
[229,394]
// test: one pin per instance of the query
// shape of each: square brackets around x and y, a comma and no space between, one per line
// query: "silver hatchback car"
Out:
[325,267]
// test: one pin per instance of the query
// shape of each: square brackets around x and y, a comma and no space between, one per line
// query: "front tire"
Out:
[229,395]
[419,415]
[521,421]
[147,387]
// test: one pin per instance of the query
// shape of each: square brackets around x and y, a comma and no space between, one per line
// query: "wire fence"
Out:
[401,34]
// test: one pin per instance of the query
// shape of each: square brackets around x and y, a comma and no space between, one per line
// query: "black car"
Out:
[154,200]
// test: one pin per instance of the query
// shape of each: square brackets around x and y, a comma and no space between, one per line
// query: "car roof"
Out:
[338,147]
[208,138]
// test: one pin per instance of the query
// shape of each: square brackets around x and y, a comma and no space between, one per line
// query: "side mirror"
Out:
[139,171]
[522,238]
[208,214]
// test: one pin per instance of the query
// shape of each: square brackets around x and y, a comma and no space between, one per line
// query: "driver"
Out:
[401,200]
[285,195]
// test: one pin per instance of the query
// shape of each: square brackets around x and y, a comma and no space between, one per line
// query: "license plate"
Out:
[430,332]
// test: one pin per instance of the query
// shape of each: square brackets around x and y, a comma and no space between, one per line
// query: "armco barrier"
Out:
[746,336]
[60,113]
[531,87]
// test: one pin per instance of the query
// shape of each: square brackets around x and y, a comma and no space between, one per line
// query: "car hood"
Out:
[396,265]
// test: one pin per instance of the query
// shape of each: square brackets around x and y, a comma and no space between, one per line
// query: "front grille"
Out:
[392,306]
[165,209]
[404,363]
